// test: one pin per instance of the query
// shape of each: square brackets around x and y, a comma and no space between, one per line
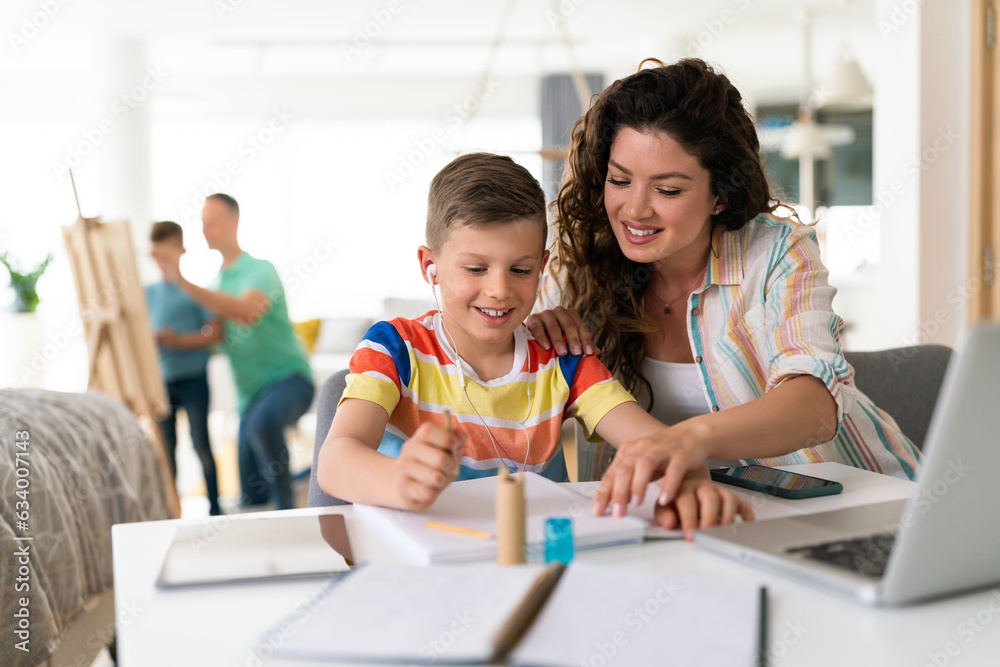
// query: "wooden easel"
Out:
[121,350]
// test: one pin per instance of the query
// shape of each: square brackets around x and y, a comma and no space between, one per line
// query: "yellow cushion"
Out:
[308,332]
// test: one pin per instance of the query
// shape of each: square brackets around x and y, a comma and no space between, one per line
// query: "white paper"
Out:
[471,504]
[616,616]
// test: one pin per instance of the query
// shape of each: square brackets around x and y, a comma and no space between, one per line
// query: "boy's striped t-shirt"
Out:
[408,367]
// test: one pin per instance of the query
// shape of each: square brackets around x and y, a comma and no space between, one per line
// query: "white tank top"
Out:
[677,388]
[679,395]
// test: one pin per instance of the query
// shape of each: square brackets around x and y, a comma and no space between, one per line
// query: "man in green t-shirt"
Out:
[274,384]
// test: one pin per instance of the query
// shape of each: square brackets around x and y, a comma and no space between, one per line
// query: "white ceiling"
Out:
[225,56]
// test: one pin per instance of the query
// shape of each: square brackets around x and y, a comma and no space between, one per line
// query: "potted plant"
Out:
[26,298]
[22,361]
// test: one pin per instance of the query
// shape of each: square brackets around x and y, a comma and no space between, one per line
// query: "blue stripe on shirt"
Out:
[383,333]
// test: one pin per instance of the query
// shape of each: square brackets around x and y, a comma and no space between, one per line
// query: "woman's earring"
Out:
[715,212]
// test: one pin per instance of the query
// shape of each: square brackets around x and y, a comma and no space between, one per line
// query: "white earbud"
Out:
[431,273]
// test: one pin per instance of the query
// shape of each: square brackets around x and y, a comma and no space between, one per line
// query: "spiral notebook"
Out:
[530,615]
[471,504]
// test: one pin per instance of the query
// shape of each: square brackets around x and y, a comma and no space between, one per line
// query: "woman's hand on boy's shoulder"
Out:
[427,464]
[561,327]
[701,503]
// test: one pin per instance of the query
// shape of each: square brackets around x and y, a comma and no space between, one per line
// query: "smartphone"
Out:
[776,482]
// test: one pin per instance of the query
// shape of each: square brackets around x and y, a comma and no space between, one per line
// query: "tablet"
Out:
[253,548]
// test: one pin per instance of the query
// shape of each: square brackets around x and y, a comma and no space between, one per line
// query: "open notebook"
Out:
[471,504]
[532,615]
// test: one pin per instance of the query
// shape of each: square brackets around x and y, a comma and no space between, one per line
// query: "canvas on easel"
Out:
[121,349]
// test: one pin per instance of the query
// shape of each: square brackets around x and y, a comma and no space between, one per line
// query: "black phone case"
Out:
[832,488]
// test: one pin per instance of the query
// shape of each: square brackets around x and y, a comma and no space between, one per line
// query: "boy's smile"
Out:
[488,276]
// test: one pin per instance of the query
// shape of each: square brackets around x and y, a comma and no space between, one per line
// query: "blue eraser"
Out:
[558,540]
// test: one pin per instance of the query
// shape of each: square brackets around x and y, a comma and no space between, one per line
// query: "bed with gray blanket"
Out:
[71,466]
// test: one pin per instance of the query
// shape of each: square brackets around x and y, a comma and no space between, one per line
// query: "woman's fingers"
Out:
[562,328]
[574,330]
[536,325]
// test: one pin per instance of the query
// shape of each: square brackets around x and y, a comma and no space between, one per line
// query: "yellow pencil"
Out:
[461,530]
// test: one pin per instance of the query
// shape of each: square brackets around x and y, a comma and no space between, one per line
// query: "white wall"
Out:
[921,171]
[945,148]
[896,132]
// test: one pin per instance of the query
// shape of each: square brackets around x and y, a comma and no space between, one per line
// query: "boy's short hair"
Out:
[166,229]
[482,188]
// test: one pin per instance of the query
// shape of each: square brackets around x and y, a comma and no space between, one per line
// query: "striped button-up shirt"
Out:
[764,315]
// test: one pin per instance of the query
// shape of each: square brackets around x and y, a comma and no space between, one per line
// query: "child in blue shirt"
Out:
[184,334]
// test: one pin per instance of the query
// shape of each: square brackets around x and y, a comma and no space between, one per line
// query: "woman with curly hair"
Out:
[710,308]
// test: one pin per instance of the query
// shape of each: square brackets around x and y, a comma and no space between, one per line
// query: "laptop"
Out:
[943,540]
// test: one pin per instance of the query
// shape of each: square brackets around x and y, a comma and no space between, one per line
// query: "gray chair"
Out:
[326,408]
[905,382]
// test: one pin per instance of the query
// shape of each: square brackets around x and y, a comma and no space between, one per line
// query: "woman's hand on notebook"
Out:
[427,463]
[701,503]
[671,453]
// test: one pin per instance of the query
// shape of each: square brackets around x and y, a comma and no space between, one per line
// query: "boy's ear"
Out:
[426,257]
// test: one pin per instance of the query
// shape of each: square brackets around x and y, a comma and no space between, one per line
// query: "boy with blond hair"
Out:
[389,443]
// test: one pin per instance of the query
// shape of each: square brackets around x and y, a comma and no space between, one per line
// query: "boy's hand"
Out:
[427,463]
[701,503]
[671,453]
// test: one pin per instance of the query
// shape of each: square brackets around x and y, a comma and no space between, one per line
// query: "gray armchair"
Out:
[903,381]
[326,407]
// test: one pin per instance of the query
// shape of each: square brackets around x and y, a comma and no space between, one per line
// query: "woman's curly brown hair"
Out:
[701,110]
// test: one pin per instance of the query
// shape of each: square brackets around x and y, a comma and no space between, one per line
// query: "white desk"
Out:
[222,626]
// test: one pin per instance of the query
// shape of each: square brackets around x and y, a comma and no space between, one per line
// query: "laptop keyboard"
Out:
[865,555]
